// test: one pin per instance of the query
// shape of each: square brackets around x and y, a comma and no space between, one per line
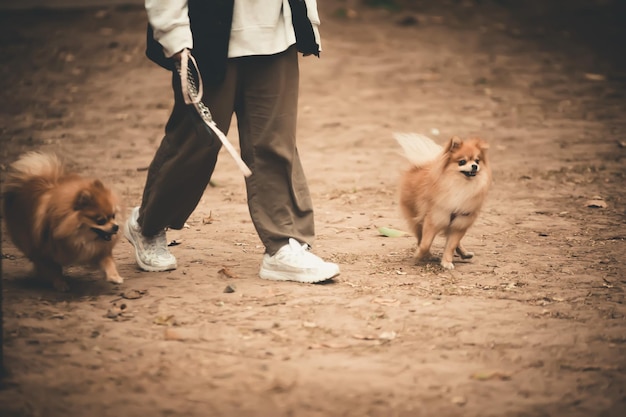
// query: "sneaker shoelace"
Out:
[298,253]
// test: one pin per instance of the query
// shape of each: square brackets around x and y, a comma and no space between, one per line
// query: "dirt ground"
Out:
[534,325]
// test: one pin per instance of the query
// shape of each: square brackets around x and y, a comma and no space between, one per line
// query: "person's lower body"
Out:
[263,92]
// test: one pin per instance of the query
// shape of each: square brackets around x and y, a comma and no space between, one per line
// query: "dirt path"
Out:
[534,325]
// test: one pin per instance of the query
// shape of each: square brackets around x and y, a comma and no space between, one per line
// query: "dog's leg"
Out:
[453,241]
[107,264]
[52,272]
[428,234]
[418,232]
[464,253]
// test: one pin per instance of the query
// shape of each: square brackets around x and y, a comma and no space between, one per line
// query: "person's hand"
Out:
[177,56]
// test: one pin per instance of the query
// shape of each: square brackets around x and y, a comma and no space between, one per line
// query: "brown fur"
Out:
[437,197]
[57,218]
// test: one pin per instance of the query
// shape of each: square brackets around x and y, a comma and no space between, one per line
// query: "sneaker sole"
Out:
[280,276]
[147,268]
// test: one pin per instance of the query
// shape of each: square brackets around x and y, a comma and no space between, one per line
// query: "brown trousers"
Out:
[263,92]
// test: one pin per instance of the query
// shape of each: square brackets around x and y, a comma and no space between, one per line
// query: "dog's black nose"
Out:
[474,167]
[115,228]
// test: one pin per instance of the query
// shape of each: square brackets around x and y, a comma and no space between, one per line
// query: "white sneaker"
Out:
[294,262]
[151,253]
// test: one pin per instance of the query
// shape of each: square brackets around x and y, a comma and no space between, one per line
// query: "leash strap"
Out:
[192,94]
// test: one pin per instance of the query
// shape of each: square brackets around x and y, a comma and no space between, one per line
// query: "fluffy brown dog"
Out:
[57,218]
[443,191]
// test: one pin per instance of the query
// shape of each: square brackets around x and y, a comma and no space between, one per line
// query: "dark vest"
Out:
[210,23]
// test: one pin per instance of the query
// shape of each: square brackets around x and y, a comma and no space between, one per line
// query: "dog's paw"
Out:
[421,256]
[116,279]
[463,253]
[447,265]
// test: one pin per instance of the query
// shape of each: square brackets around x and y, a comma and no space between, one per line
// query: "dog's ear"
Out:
[482,145]
[82,200]
[454,144]
[97,184]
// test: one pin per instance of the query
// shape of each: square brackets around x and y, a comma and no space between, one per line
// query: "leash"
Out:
[192,94]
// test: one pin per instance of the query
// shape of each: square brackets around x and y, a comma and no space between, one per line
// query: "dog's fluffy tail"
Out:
[33,165]
[418,149]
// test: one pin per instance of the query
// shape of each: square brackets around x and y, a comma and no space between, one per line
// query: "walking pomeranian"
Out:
[58,218]
[443,191]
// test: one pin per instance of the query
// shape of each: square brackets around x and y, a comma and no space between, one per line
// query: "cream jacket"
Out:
[260,27]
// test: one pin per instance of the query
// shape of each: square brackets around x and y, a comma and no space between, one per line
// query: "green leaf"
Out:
[389,232]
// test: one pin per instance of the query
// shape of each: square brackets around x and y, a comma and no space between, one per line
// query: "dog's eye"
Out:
[101,221]
[477,161]
[462,162]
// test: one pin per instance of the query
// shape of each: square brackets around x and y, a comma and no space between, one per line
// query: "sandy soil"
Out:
[534,325]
